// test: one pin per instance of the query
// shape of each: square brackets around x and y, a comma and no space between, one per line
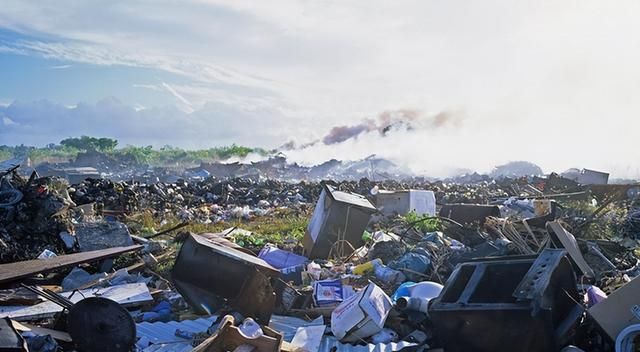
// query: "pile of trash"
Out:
[530,264]
[33,212]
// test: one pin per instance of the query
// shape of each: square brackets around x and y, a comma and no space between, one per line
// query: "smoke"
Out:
[446,118]
[391,121]
[340,134]
[441,144]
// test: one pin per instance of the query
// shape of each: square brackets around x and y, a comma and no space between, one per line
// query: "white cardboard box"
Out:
[402,202]
[361,315]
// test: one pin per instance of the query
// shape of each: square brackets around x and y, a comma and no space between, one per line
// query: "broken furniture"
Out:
[338,217]
[507,304]
[206,272]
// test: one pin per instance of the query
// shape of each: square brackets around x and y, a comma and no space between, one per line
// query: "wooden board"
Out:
[20,270]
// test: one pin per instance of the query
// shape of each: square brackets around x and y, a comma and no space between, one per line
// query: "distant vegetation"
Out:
[69,148]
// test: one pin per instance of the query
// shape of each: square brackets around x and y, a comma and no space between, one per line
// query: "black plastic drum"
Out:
[99,324]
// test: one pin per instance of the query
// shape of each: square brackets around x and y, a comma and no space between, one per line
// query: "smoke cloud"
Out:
[340,134]
[391,121]
[444,143]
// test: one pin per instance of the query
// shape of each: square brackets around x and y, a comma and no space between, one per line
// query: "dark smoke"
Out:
[340,134]
[393,120]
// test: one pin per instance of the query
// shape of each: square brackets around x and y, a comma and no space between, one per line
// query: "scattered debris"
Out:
[211,262]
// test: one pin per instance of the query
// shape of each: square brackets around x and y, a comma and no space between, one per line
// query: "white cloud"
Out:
[213,124]
[552,81]
[8,122]
[184,103]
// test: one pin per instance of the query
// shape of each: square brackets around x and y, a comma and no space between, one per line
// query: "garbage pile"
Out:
[205,201]
[525,264]
[33,212]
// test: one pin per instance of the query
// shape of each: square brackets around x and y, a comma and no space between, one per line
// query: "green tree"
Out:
[106,144]
[87,143]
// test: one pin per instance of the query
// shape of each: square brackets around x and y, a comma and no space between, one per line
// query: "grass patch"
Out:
[424,223]
[284,227]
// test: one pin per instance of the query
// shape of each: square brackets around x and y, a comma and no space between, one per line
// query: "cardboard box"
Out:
[330,292]
[362,315]
[619,310]
[404,201]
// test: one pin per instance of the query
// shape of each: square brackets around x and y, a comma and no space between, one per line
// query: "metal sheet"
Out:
[128,294]
[350,198]
[162,335]
[539,275]
[331,344]
[237,255]
[288,326]
[20,270]
[568,241]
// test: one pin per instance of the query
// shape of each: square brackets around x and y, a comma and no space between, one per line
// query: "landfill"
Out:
[235,260]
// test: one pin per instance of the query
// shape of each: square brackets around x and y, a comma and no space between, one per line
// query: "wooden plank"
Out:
[126,295]
[20,270]
[160,258]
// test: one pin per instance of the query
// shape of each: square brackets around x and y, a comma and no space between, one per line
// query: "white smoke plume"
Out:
[442,144]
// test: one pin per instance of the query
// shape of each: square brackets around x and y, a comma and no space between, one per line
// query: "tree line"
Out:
[69,148]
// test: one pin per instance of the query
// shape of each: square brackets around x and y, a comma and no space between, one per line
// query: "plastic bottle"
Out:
[250,329]
[387,274]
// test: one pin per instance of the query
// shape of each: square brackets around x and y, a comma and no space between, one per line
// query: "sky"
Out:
[552,82]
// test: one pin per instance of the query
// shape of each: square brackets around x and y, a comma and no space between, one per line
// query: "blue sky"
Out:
[198,73]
